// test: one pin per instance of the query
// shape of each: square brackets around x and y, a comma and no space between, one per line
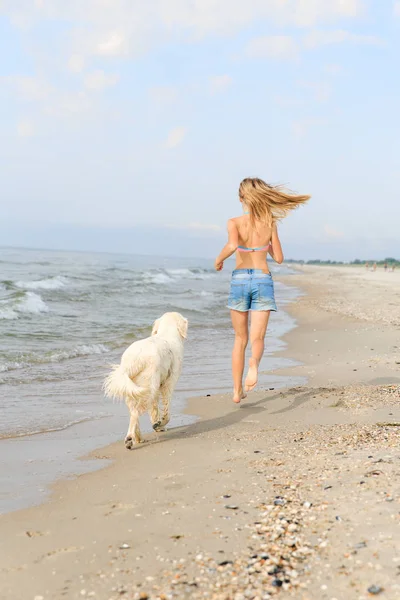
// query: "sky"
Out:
[127,126]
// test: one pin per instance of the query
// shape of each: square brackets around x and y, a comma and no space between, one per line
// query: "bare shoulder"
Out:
[236,220]
[233,222]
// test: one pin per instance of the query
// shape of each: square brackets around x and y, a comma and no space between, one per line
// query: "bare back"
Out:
[251,237]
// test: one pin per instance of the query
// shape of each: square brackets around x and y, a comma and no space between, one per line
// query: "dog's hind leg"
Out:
[166,395]
[154,414]
[133,436]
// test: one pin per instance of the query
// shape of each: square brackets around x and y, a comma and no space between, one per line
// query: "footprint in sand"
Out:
[31,534]
[118,508]
[55,553]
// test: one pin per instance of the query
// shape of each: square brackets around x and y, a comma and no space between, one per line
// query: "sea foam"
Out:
[51,283]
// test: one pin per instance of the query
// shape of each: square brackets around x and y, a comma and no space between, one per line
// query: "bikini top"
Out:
[258,249]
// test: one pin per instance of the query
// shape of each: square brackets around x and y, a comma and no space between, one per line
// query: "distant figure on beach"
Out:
[385,266]
[374,267]
[252,236]
[367,266]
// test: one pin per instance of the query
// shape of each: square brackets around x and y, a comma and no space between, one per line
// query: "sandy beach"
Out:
[296,493]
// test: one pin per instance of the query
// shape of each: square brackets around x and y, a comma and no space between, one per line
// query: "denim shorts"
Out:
[251,289]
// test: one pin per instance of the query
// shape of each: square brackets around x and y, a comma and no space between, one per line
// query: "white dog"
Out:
[148,368]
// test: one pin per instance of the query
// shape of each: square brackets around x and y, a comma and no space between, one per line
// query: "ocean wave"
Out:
[159,278]
[185,310]
[27,303]
[165,276]
[23,361]
[8,314]
[206,294]
[179,272]
[31,303]
[210,294]
[10,366]
[82,350]
[51,283]
[190,273]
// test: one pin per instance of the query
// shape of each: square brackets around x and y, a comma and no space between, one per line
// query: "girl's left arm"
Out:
[230,247]
[275,248]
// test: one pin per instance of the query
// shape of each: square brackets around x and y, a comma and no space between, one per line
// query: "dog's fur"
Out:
[149,368]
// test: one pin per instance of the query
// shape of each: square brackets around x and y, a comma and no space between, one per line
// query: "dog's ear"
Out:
[183,327]
[155,327]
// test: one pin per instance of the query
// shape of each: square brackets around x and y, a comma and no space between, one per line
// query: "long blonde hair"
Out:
[266,203]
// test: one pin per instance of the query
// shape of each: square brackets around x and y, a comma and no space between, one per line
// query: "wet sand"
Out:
[295,493]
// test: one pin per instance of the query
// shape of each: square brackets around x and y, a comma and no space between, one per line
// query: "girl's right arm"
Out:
[229,248]
[275,248]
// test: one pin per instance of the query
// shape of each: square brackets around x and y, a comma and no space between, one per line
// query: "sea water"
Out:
[65,317]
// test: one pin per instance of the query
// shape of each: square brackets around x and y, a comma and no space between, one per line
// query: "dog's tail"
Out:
[119,385]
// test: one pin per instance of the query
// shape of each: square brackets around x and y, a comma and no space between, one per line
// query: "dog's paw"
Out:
[128,442]
[159,426]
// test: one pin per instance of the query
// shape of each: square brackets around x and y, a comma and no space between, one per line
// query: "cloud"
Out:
[301,127]
[219,83]
[163,95]
[285,47]
[95,32]
[332,233]
[20,19]
[273,46]
[29,89]
[99,80]
[321,91]
[114,44]
[176,137]
[67,104]
[49,101]
[25,128]
[76,63]
[317,38]
[228,16]
[121,27]
[309,12]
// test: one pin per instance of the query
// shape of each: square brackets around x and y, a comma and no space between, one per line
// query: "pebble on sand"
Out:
[375,590]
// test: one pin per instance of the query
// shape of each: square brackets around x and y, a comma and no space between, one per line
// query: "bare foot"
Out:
[238,396]
[252,375]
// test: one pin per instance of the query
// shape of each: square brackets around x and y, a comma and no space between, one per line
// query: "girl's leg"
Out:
[240,322]
[258,329]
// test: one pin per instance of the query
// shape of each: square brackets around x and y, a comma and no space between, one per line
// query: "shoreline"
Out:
[159,512]
[50,463]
